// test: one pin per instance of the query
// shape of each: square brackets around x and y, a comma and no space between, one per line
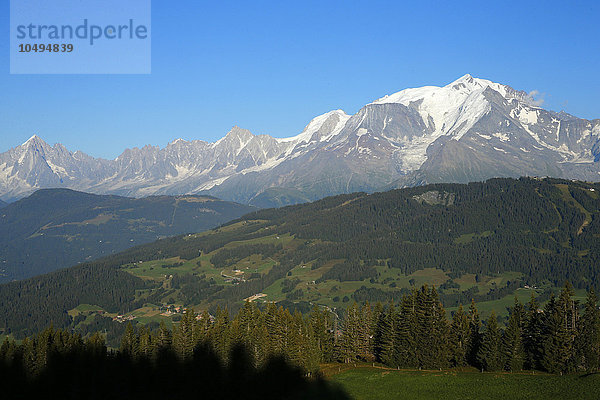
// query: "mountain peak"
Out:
[317,123]
[35,139]
[176,141]
[465,78]
[470,83]
[236,131]
[236,135]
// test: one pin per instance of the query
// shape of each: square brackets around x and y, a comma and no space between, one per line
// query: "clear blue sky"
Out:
[272,66]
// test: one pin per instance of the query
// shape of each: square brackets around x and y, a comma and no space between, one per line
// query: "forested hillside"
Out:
[487,241]
[57,228]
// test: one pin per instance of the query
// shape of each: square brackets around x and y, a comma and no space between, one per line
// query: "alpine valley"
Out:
[57,228]
[469,130]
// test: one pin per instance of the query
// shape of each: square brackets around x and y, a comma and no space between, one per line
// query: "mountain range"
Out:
[469,130]
[57,228]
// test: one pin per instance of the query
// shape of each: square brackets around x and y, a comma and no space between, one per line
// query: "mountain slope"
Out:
[488,241]
[54,228]
[2,204]
[471,129]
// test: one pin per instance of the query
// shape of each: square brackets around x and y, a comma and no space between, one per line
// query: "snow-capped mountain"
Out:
[471,129]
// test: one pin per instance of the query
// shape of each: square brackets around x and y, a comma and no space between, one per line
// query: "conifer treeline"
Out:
[560,338]
[60,364]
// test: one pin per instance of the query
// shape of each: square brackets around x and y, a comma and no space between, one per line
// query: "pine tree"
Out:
[313,352]
[459,338]
[297,346]
[440,332]
[532,337]
[513,351]
[219,333]
[474,341]
[183,335]
[164,339]
[96,345]
[365,343]
[405,333]
[203,327]
[388,337]
[129,342]
[7,351]
[489,352]
[431,337]
[322,331]
[588,338]
[270,321]
[556,344]
[377,326]
[350,343]
[44,345]
[145,343]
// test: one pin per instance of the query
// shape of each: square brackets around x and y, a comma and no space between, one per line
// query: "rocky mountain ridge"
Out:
[469,130]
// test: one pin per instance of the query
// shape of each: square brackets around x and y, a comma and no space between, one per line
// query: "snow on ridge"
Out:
[178,140]
[457,105]
[463,86]
[315,124]
[34,138]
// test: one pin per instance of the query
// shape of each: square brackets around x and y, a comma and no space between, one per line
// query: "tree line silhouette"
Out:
[561,337]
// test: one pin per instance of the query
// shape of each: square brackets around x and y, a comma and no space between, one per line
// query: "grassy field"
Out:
[365,383]
[307,287]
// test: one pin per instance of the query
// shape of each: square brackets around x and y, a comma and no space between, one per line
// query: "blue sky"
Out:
[272,66]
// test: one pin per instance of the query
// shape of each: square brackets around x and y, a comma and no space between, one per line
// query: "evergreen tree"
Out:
[431,338]
[377,325]
[313,352]
[8,351]
[322,330]
[489,352]
[405,333]
[183,335]
[129,342]
[474,341]
[350,343]
[513,351]
[219,334]
[441,332]
[203,327]
[96,345]
[164,339]
[298,349]
[588,338]
[145,343]
[459,338]
[532,338]
[365,329]
[389,336]
[556,343]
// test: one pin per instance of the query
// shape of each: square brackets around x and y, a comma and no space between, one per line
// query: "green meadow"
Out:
[367,383]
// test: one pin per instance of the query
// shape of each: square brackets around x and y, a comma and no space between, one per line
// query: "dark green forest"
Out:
[545,231]
[57,228]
